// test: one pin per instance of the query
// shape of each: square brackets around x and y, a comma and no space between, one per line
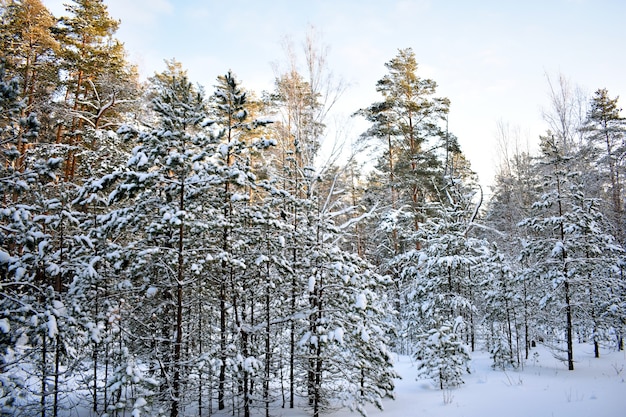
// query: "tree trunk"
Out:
[95,365]
[570,344]
[594,319]
[268,353]
[292,326]
[509,332]
[44,374]
[58,287]
[526,325]
[57,372]
[223,311]
[179,309]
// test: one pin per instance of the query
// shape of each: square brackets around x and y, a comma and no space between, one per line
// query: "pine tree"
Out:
[97,76]
[442,356]
[605,129]
[418,155]
[440,277]
[408,120]
[40,237]
[29,49]
[344,325]
[234,166]
[551,247]
[505,312]
[569,240]
[166,176]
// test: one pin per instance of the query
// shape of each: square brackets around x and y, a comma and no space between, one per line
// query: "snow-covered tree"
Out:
[442,355]
[568,245]
[345,340]
[605,130]
[97,79]
[162,188]
[505,312]
[441,276]
[237,293]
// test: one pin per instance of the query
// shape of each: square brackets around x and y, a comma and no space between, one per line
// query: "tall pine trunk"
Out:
[178,329]
[566,285]
[268,353]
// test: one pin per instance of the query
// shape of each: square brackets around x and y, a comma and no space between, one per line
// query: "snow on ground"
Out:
[544,388]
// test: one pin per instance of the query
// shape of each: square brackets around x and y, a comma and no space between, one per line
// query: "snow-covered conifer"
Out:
[442,356]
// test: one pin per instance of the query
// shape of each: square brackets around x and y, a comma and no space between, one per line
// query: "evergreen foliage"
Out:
[181,253]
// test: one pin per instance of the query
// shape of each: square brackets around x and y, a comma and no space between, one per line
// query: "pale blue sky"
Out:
[490,58]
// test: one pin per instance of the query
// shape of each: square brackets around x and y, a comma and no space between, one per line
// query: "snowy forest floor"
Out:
[544,388]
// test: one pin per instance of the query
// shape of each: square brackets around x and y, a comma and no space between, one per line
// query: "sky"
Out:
[491,58]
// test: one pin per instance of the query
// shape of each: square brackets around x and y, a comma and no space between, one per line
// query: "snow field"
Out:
[544,388]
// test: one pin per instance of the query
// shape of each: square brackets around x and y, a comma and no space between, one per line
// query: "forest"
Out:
[171,251]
